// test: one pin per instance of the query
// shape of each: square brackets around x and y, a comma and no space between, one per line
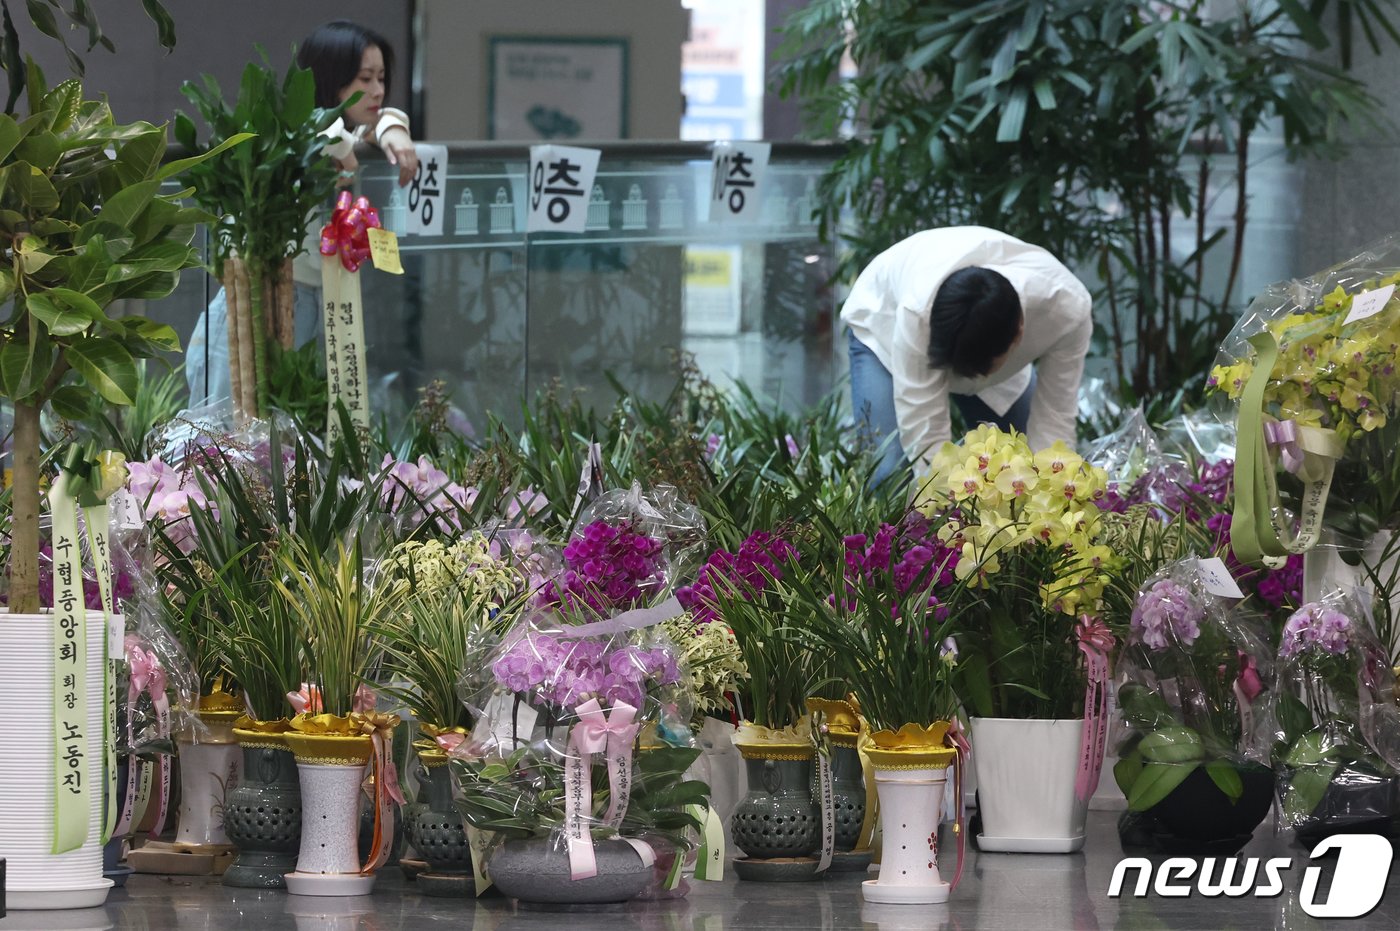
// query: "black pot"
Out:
[1358,800]
[1197,815]
[1197,810]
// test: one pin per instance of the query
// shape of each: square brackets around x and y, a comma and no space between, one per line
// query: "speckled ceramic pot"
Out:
[263,815]
[331,770]
[778,818]
[210,764]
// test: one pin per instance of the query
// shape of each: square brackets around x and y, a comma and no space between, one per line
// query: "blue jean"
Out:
[872,403]
[206,355]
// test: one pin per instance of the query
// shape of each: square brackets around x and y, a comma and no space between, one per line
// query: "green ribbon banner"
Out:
[1260,531]
[71,789]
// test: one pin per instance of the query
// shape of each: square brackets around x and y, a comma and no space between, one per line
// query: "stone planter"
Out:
[438,833]
[778,818]
[537,871]
[263,815]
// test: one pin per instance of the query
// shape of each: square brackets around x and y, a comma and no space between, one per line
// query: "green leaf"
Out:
[43,19]
[1157,782]
[1308,26]
[1310,750]
[1306,786]
[161,336]
[10,135]
[107,368]
[71,403]
[65,312]
[35,189]
[126,205]
[1172,745]
[170,169]
[300,97]
[165,24]
[32,256]
[1226,778]
[1126,772]
[140,158]
[16,370]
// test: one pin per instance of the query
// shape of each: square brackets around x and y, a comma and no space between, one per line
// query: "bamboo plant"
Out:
[266,196]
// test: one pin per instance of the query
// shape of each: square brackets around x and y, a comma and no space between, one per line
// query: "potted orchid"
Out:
[1194,695]
[882,613]
[777,824]
[1033,648]
[1336,749]
[575,809]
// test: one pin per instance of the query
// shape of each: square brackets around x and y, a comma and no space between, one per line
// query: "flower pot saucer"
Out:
[446,885]
[412,869]
[872,890]
[1029,844]
[63,899]
[850,861]
[335,884]
[780,870]
[118,874]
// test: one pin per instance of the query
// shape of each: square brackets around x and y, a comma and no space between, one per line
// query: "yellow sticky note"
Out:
[384,251]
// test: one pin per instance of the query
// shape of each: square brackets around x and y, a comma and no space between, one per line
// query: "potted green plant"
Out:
[83,223]
[265,195]
[258,645]
[1195,674]
[1033,651]
[778,824]
[459,593]
[585,814]
[337,606]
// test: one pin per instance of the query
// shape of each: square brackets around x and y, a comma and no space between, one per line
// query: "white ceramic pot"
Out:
[37,878]
[328,863]
[209,770]
[1026,771]
[911,805]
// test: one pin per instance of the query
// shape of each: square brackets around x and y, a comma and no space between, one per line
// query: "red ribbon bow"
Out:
[347,233]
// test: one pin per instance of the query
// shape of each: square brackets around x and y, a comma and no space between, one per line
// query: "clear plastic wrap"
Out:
[1337,741]
[1139,471]
[580,738]
[1321,419]
[628,551]
[1194,746]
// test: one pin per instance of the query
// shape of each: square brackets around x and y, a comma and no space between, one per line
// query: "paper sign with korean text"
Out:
[736,181]
[427,192]
[561,181]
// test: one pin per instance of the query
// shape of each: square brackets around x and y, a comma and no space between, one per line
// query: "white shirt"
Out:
[888,310]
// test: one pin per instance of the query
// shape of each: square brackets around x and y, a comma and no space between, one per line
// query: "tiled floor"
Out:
[999,891]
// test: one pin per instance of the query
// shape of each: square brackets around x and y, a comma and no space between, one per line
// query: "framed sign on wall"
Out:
[565,87]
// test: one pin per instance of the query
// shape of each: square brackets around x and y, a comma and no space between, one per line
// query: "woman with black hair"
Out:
[970,314]
[345,59]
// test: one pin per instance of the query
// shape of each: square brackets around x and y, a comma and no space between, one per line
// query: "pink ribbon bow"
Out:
[347,233]
[450,741]
[1283,434]
[307,701]
[596,732]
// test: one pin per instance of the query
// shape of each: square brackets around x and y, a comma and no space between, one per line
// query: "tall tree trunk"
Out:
[24,529]
[235,341]
[257,274]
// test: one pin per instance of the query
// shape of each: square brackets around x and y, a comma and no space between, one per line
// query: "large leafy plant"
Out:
[265,193]
[84,224]
[1087,127]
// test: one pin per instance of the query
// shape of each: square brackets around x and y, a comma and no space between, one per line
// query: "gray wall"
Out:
[143,81]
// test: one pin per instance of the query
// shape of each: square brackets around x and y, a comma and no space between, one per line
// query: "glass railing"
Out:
[498,315]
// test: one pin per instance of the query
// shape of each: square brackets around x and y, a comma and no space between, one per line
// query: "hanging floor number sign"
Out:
[561,182]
